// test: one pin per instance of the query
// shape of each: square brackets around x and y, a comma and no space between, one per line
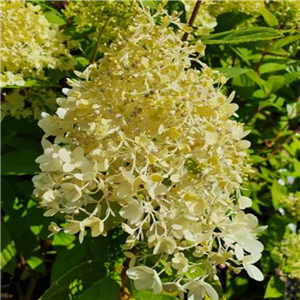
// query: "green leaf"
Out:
[8,195]
[104,289]
[243,53]
[36,264]
[290,77]
[271,67]
[63,239]
[276,45]
[270,19]
[236,286]
[37,229]
[244,86]
[82,61]
[278,192]
[27,243]
[275,288]
[274,83]
[255,78]
[231,72]
[69,258]
[151,3]
[37,223]
[229,20]
[245,35]
[177,6]
[21,143]
[75,282]
[32,83]
[99,246]
[11,126]
[257,159]
[54,18]
[8,251]
[19,163]
[14,209]
[25,187]
[273,236]
[294,149]
[148,295]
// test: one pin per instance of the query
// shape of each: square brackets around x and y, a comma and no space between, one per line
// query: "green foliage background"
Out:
[262,63]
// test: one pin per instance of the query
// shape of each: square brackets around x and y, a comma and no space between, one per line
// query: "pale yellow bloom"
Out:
[206,19]
[287,12]
[145,279]
[107,17]
[291,204]
[290,255]
[27,102]
[29,43]
[157,138]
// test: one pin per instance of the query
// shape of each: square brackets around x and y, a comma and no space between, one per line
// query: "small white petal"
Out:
[61,112]
[68,167]
[210,291]
[244,202]
[239,252]
[175,178]
[254,272]
[211,138]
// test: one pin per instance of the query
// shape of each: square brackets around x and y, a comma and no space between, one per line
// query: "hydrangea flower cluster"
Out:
[205,21]
[29,43]
[206,18]
[291,203]
[290,256]
[247,7]
[146,137]
[28,102]
[287,12]
[111,15]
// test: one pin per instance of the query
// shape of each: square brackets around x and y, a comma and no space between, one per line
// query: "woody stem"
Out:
[192,19]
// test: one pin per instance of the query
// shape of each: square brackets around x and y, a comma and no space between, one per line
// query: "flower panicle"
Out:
[145,137]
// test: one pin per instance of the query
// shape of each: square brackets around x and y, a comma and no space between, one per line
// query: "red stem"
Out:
[192,19]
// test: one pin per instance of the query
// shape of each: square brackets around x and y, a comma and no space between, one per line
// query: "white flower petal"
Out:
[145,278]
[211,138]
[254,272]
[210,291]
[244,202]
[252,245]
[239,252]
[132,211]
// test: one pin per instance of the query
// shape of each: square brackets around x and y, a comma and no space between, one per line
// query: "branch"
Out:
[123,294]
[31,287]
[192,19]
[263,54]
[279,147]
[93,58]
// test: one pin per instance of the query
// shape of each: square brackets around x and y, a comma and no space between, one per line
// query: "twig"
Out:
[233,57]
[93,58]
[279,147]
[192,19]
[263,54]
[272,143]
[19,291]
[31,287]
[123,292]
